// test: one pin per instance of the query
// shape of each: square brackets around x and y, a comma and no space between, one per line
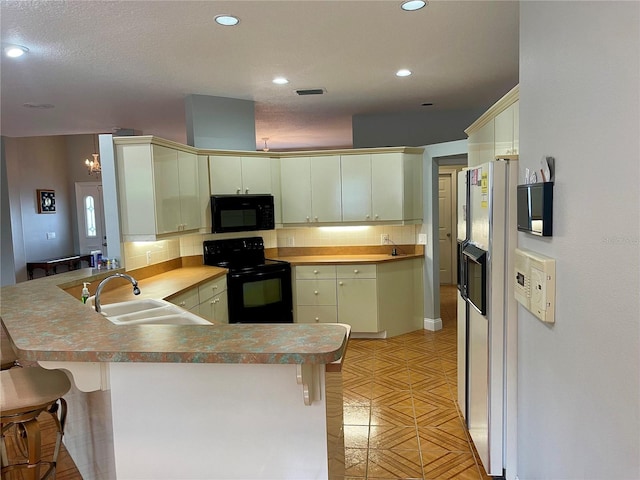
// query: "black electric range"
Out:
[258,288]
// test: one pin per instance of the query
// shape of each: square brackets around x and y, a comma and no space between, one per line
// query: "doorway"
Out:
[90,214]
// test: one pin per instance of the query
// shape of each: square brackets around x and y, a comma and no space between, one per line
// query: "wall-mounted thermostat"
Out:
[535,284]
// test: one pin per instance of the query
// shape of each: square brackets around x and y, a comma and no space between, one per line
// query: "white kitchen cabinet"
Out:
[188,300]
[213,301]
[159,189]
[356,187]
[311,189]
[504,131]
[358,297]
[208,300]
[230,174]
[382,187]
[315,294]
[375,299]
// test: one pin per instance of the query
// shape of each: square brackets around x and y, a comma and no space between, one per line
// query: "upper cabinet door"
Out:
[295,186]
[356,188]
[167,189]
[225,175]
[326,191]
[190,210]
[504,131]
[387,186]
[256,175]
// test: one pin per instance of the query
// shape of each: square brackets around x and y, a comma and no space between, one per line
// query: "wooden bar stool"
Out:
[25,393]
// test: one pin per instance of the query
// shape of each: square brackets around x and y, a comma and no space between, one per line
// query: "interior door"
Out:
[90,214]
[445,202]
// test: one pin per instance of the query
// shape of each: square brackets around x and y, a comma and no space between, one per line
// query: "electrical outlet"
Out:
[51,235]
[149,257]
[384,239]
[422,239]
[290,242]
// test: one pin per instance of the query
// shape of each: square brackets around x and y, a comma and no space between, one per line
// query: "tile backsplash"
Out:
[135,253]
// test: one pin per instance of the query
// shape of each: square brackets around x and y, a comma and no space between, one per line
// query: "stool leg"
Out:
[34,448]
[60,421]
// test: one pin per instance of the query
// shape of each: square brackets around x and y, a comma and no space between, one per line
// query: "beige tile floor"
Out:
[401,419]
[400,415]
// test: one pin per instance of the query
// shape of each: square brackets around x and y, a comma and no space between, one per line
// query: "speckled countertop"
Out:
[46,323]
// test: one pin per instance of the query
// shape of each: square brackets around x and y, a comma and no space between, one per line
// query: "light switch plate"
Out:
[422,239]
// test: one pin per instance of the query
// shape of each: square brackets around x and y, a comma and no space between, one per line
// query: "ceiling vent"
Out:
[311,91]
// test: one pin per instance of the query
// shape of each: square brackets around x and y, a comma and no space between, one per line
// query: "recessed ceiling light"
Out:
[15,51]
[403,72]
[280,81]
[413,5]
[227,20]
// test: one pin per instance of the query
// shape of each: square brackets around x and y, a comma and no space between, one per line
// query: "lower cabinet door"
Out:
[215,309]
[358,305]
[316,314]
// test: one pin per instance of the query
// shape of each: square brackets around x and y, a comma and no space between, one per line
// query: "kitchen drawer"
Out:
[356,271]
[316,292]
[211,288]
[316,314]
[308,272]
[186,300]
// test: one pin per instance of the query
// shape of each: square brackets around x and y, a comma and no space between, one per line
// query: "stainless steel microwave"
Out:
[241,213]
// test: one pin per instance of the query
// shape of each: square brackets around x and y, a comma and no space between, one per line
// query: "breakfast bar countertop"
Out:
[45,323]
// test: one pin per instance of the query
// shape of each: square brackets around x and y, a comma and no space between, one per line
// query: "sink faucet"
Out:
[134,282]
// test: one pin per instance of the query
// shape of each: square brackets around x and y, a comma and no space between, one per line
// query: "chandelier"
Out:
[94,166]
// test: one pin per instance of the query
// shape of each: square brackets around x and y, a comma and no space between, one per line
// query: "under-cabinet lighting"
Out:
[355,228]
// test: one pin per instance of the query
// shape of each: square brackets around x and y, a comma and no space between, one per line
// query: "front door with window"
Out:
[90,212]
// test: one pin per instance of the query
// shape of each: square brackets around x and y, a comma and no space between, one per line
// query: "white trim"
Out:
[433,324]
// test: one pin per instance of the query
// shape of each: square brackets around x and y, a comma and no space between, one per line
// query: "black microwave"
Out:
[241,213]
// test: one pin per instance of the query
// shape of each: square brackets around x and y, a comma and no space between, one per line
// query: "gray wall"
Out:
[7,264]
[579,380]
[32,163]
[220,123]
[412,129]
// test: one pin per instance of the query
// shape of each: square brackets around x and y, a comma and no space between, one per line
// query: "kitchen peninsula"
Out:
[182,401]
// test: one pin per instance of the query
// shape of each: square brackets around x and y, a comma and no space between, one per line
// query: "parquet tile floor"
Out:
[400,413]
[401,419]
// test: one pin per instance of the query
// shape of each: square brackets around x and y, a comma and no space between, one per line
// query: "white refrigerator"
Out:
[487,308]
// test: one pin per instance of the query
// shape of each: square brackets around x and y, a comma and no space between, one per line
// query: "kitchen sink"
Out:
[149,311]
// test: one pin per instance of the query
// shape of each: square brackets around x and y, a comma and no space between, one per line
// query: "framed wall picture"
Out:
[46,201]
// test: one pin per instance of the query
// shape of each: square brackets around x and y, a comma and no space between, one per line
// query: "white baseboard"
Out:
[433,324]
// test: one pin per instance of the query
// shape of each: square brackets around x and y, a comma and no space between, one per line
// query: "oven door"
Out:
[260,296]
[475,271]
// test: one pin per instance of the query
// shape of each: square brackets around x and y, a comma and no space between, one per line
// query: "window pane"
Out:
[90,216]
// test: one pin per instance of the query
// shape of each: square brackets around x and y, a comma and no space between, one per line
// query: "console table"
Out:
[72,262]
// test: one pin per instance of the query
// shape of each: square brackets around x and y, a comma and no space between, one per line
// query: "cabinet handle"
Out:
[340,283]
[238,190]
[246,190]
[368,216]
[308,219]
[376,217]
[315,292]
[317,319]
[215,287]
[355,271]
[315,218]
[315,272]
[182,304]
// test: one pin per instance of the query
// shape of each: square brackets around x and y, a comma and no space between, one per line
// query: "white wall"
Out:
[579,380]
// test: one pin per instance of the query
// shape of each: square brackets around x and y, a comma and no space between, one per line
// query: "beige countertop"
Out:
[332,259]
[46,323]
